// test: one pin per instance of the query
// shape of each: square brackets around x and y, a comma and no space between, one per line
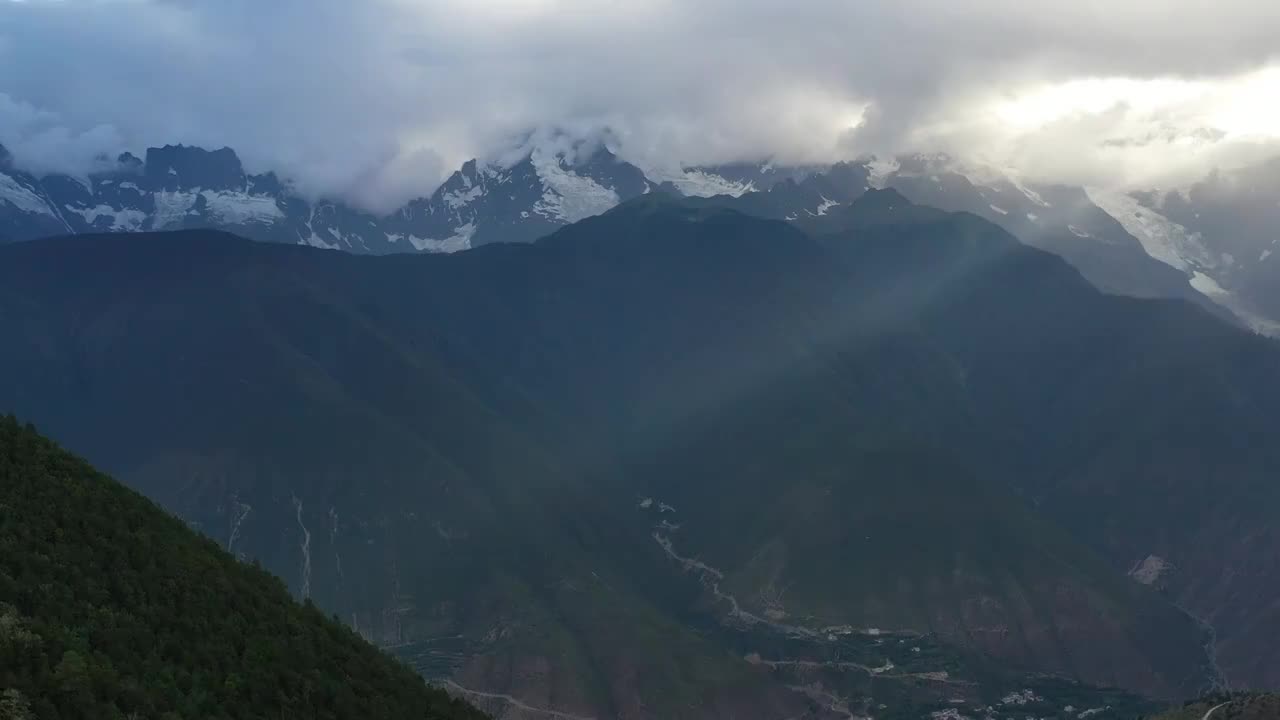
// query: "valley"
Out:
[635,360]
[444,453]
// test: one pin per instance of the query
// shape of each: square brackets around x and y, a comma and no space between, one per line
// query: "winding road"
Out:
[1212,710]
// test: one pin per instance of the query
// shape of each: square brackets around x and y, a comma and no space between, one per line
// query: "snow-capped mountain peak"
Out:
[1145,244]
[568,196]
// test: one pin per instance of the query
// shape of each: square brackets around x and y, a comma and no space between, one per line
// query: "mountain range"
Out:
[685,458]
[179,187]
[1209,243]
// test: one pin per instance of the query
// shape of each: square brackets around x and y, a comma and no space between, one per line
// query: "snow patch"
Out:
[1210,288]
[567,196]
[1078,232]
[337,235]
[1000,210]
[699,183]
[317,241]
[171,208]
[123,220]
[456,200]
[1207,286]
[239,208]
[1163,239]
[460,240]
[21,197]
[825,205]
[1265,254]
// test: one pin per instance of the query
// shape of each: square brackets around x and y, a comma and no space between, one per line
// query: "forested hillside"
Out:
[110,608]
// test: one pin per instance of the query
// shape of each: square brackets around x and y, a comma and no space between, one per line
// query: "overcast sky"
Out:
[379,99]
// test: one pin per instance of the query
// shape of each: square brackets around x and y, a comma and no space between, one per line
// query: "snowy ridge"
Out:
[1163,239]
[568,196]
[545,183]
[699,183]
[22,197]
[1210,288]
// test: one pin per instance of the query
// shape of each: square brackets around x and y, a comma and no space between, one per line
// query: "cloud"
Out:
[1121,131]
[376,99]
[45,144]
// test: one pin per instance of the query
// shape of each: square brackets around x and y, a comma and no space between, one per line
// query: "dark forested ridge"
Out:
[111,608]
